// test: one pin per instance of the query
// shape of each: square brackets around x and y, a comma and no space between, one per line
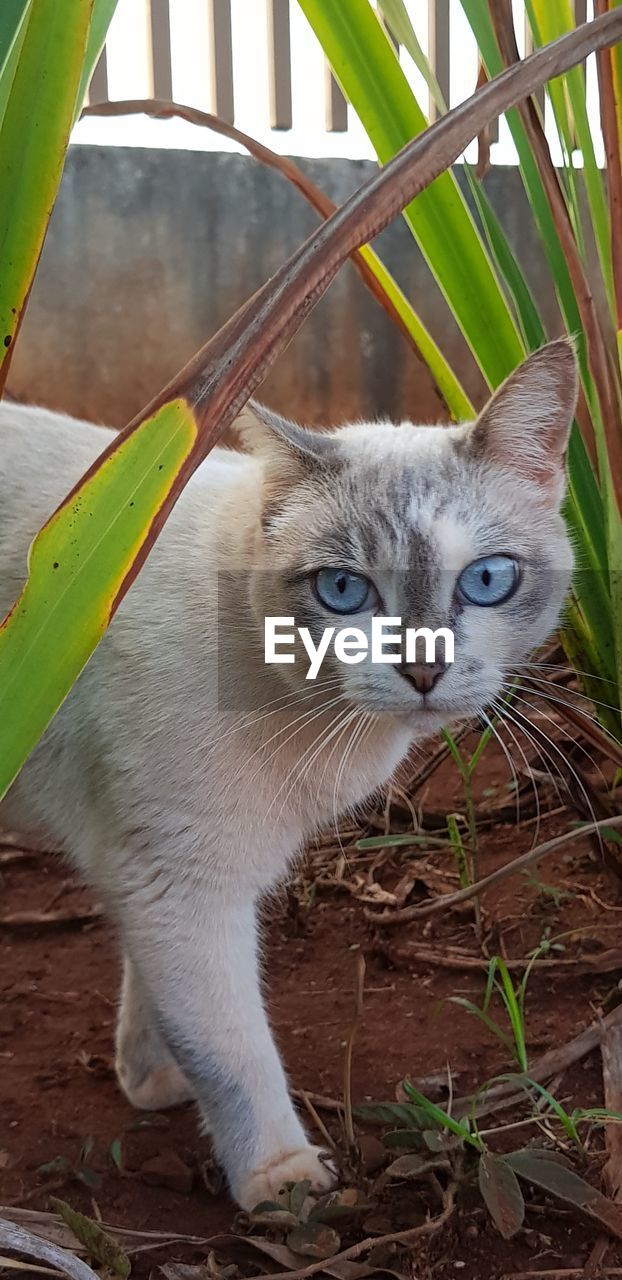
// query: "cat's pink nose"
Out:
[423,675]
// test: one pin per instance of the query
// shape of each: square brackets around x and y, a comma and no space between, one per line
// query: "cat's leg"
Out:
[146,1069]
[199,966]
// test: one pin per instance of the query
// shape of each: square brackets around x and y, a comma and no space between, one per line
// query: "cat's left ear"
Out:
[526,424]
[290,453]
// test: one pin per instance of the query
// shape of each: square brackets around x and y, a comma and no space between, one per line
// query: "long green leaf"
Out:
[550,19]
[13,21]
[13,14]
[40,108]
[396,15]
[103,12]
[76,567]
[364,62]
[501,253]
[478,15]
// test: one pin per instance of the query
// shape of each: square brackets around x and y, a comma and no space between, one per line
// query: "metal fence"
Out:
[227,83]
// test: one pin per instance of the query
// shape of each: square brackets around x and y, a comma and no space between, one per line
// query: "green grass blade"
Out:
[490,983]
[514,1012]
[501,253]
[439,1118]
[458,850]
[364,62]
[488,1022]
[478,14]
[532,327]
[397,17]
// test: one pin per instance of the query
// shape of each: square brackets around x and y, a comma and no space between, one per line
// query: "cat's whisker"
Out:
[544,758]
[308,718]
[303,764]
[523,718]
[329,759]
[290,699]
[567,670]
[574,693]
[528,769]
[363,725]
[546,698]
[493,729]
[310,714]
[357,719]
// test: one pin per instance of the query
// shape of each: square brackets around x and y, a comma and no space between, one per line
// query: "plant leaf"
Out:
[412,1119]
[501,1193]
[96,1241]
[298,1195]
[13,15]
[41,104]
[314,1240]
[365,64]
[568,1186]
[116,1153]
[103,12]
[415,1166]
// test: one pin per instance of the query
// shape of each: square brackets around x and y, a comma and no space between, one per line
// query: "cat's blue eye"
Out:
[490,580]
[342,591]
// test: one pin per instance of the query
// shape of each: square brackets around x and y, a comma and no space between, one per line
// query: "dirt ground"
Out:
[66,1130]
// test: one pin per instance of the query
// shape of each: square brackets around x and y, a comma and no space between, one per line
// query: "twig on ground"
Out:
[390,918]
[319,1101]
[347,1065]
[606,962]
[575,1273]
[17,921]
[318,1122]
[51,1227]
[593,1268]
[14,857]
[611,1050]
[18,1240]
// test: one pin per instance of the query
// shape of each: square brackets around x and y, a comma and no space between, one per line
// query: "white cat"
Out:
[183,773]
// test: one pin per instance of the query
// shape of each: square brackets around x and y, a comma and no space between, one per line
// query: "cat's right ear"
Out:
[290,453]
[525,426]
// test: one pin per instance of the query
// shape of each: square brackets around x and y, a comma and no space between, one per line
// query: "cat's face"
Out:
[438,526]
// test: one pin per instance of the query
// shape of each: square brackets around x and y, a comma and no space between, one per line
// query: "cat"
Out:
[183,773]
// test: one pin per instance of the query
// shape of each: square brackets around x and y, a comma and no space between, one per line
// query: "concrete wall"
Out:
[150,251]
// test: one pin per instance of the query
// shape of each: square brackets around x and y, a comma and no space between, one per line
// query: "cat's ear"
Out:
[526,424]
[290,453]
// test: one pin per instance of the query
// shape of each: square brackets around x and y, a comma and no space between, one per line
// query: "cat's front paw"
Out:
[286,1166]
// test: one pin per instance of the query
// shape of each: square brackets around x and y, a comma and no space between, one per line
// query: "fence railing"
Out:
[227,89]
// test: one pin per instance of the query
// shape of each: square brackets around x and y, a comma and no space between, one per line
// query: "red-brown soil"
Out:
[58,989]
